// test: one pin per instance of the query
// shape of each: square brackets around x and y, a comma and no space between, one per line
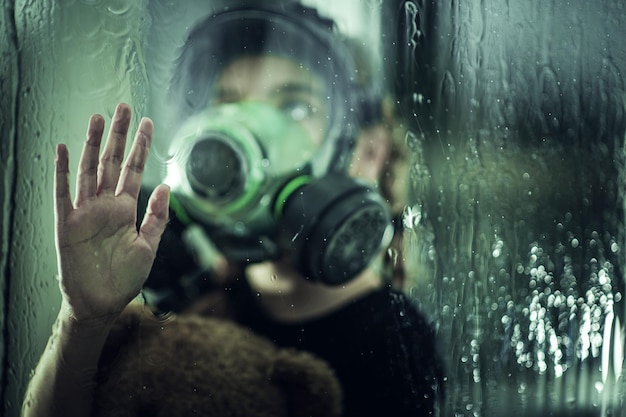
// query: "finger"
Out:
[156,217]
[87,179]
[113,154]
[62,202]
[130,179]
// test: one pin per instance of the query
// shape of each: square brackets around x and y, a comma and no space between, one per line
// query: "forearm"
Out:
[64,381]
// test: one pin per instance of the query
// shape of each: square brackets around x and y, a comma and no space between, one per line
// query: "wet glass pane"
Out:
[62,65]
[517,224]
[513,115]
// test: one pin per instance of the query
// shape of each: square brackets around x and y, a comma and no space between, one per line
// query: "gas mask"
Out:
[247,179]
[244,172]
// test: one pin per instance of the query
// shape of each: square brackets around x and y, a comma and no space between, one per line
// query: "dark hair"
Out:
[291,30]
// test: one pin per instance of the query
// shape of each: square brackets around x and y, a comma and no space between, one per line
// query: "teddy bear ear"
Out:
[309,383]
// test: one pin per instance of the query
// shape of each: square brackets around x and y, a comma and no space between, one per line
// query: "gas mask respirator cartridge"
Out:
[244,173]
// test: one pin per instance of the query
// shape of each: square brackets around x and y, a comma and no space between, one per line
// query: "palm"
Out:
[103,258]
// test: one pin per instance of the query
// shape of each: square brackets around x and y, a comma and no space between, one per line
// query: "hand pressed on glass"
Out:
[103,258]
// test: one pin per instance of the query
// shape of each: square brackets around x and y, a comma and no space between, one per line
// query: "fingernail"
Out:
[97,120]
[146,125]
[123,109]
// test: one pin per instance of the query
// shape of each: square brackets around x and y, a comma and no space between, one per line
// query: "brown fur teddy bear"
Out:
[199,366]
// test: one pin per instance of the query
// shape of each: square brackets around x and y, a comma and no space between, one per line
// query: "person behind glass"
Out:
[265,104]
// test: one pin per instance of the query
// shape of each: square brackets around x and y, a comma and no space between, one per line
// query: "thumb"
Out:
[156,217]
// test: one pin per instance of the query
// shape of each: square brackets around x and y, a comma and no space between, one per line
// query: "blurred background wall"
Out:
[514,113]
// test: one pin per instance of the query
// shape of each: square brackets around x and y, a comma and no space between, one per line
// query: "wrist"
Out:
[79,343]
[74,325]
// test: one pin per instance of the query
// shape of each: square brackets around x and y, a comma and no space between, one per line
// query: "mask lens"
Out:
[310,79]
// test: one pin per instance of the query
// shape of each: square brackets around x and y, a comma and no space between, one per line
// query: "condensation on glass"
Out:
[515,118]
[517,224]
[59,64]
